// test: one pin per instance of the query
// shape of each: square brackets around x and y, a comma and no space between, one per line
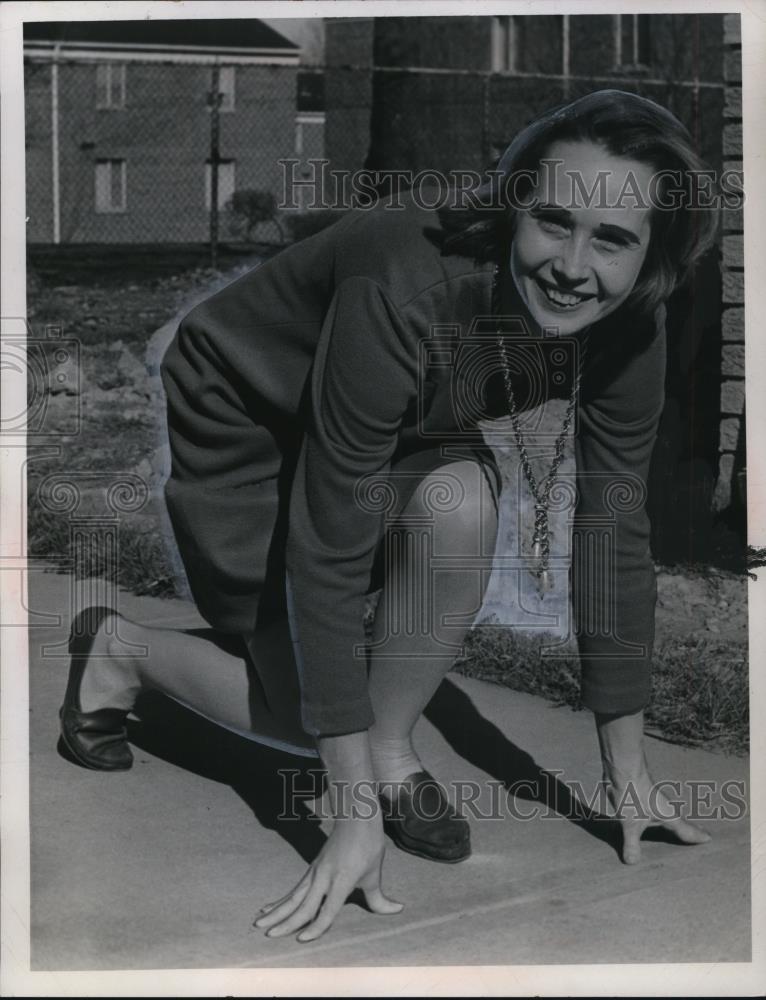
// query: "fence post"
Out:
[215,103]
[55,153]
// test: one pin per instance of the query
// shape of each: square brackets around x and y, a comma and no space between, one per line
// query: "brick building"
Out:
[450,92]
[118,124]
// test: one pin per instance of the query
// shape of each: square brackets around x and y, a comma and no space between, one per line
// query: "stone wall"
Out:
[731,437]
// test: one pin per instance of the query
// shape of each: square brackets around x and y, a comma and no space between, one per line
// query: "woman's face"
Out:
[577,253]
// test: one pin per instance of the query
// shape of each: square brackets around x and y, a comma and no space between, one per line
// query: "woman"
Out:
[299,389]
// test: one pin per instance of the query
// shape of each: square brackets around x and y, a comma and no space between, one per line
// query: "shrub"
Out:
[249,208]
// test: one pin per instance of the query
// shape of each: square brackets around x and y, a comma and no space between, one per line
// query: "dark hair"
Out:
[625,125]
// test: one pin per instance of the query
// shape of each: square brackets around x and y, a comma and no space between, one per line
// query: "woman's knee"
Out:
[457,499]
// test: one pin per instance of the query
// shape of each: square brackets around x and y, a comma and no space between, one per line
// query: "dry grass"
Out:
[143,566]
[699,684]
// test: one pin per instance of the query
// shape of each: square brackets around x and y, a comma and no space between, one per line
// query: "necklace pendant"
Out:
[539,572]
[544,583]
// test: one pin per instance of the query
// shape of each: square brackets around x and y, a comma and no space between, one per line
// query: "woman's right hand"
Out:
[352,857]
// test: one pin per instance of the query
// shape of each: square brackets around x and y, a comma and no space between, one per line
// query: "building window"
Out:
[504,55]
[111,185]
[310,91]
[632,41]
[528,44]
[227,176]
[110,85]
[226,84]
[309,134]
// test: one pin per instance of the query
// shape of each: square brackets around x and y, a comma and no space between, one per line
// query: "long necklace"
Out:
[540,491]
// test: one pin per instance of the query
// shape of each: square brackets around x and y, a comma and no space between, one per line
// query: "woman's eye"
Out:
[551,226]
[611,246]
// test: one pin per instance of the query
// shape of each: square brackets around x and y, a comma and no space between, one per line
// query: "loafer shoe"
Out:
[418,818]
[97,740]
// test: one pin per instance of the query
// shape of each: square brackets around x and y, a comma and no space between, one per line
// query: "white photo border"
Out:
[680,979]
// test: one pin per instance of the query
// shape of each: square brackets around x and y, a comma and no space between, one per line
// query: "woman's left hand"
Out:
[638,801]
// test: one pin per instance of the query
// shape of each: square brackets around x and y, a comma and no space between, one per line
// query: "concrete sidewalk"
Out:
[165,865]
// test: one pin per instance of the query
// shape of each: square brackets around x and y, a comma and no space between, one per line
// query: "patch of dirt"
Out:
[100,313]
[701,600]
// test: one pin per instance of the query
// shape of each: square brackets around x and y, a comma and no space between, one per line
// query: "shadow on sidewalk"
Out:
[186,740]
[256,773]
[482,744]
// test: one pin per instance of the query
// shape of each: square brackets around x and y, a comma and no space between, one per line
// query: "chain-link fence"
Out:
[156,152]
[153,152]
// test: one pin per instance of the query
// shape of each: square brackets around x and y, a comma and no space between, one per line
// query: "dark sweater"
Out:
[309,373]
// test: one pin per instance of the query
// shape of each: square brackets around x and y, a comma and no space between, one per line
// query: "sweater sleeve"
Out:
[614,590]
[364,375]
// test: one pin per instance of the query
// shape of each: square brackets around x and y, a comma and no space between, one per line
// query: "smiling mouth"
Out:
[559,297]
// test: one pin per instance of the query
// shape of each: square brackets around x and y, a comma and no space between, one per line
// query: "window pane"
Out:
[511,44]
[497,45]
[103,186]
[111,185]
[117,184]
[627,39]
[102,85]
[225,87]
[644,39]
[310,91]
[118,85]
[538,43]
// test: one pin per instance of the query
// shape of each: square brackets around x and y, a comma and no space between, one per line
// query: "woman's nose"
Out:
[570,268]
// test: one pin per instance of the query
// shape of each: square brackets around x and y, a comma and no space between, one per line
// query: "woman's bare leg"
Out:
[260,697]
[408,663]
[256,697]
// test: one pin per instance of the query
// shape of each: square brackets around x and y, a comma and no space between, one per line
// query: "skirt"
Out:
[239,589]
